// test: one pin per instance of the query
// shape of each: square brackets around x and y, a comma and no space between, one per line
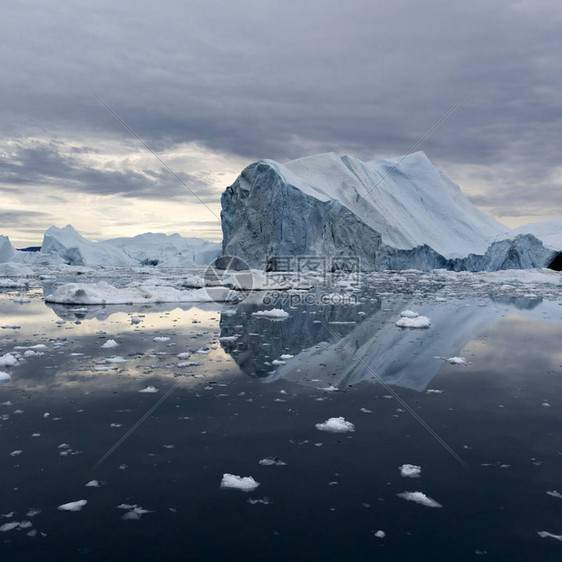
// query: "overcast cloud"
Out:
[251,79]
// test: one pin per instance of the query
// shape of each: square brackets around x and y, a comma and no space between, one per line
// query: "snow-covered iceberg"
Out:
[397,213]
[67,246]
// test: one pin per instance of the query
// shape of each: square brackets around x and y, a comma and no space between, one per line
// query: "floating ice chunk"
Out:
[456,360]
[244,483]
[161,338]
[419,497]
[555,494]
[8,360]
[409,314]
[546,534]
[273,314]
[109,344]
[149,389]
[187,364]
[380,534]
[4,376]
[277,362]
[116,359]
[264,501]
[16,453]
[36,346]
[410,471]
[73,506]
[272,461]
[417,322]
[228,338]
[93,484]
[286,356]
[134,511]
[135,320]
[184,355]
[9,526]
[336,425]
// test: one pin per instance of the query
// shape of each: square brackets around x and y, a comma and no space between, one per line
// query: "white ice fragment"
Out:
[135,320]
[273,314]
[456,360]
[272,461]
[16,453]
[4,376]
[419,497]
[109,344]
[410,471]
[546,534]
[336,425]
[244,483]
[149,389]
[417,322]
[380,534]
[286,356]
[184,355]
[73,506]
[555,494]
[8,360]
[161,338]
[409,314]
[92,484]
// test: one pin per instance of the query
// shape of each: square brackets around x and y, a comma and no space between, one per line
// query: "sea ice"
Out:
[244,483]
[419,497]
[336,425]
[273,314]
[73,506]
[410,471]
[417,322]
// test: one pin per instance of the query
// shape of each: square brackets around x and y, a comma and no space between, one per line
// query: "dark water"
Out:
[500,414]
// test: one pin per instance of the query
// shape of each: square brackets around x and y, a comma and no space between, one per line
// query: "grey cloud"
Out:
[269,79]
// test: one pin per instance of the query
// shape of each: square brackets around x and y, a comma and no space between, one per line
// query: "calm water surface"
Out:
[492,451]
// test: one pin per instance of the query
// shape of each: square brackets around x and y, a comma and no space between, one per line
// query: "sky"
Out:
[101,101]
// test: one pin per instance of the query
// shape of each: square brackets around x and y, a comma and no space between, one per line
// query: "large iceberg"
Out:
[392,214]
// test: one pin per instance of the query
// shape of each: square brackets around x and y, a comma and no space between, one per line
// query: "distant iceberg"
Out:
[397,213]
[67,246]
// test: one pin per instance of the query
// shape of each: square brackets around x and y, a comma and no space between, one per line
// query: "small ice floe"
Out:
[92,484]
[187,364]
[409,314]
[336,425]
[184,355]
[116,359]
[32,512]
[555,494]
[109,344]
[410,471]
[149,389]
[278,362]
[264,501]
[413,320]
[366,410]
[546,534]
[4,376]
[456,360]
[286,357]
[8,360]
[228,338]
[161,338]
[133,511]
[419,497]
[36,346]
[16,453]
[380,534]
[203,351]
[273,314]
[272,461]
[135,320]
[434,391]
[244,483]
[330,388]
[73,506]
[15,525]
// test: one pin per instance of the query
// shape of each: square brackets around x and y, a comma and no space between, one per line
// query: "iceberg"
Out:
[398,213]
[67,246]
